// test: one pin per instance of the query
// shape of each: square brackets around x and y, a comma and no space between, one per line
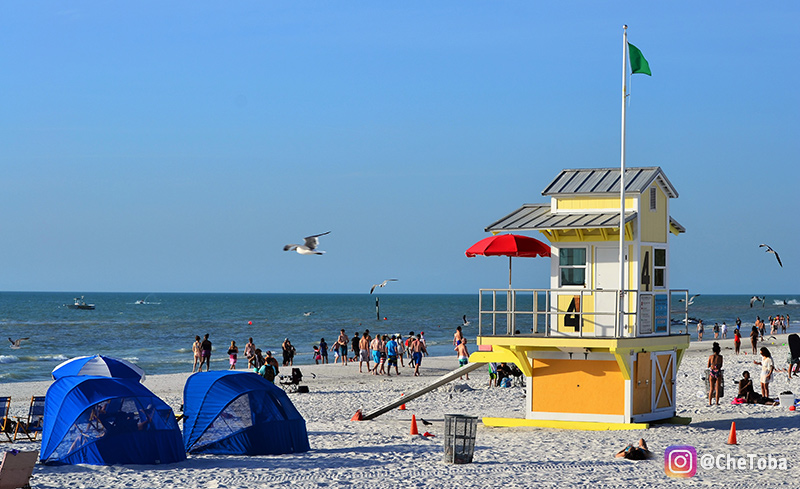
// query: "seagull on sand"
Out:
[770,250]
[309,247]
[426,423]
[382,284]
[691,300]
[15,344]
[756,298]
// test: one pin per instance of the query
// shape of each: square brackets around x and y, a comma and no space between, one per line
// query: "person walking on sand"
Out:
[196,351]
[463,354]
[233,353]
[714,373]
[354,344]
[767,367]
[363,351]
[250,353]
[205,353]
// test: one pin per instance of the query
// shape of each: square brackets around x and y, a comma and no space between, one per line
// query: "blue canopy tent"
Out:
[104,420]
[230,412]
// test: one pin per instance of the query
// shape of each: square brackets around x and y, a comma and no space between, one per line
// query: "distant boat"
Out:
[80,304]
[140,301]
[691,320]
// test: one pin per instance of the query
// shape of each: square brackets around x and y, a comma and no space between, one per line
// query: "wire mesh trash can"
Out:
[721,384]
[459,438]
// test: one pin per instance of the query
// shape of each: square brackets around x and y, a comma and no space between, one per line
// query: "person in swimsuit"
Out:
[417,347]
[737,340]
[714,373]
[635,453]
[250,353]
[463,354]
[233,353]
[196,351]
[342,342]
[700,330]
[363,351]
[205,353]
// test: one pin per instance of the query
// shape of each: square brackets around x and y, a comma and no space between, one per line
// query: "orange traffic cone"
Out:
[414,430]
[732,436]
[402,406]
[358,416]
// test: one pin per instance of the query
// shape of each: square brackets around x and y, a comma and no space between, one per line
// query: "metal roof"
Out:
[536,217]
[677,225]
[606,181]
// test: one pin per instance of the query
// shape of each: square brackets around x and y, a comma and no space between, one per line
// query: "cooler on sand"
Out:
[459,438]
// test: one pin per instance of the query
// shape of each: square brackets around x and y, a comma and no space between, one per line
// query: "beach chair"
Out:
[7,425]
[291,383]
[16,469]
[31,427]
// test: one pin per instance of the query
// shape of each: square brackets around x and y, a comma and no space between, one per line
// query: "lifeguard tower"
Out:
[597,354]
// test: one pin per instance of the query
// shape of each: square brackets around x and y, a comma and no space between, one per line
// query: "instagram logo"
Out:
[680,461]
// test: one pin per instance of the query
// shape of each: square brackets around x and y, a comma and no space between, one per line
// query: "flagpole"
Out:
[622,184]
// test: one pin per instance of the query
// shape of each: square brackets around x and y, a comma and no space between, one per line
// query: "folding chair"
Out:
[16,469]
[291,383]
[33,426]
[6,425]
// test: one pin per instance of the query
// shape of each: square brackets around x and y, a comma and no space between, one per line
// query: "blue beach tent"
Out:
[241,413]
[104,421]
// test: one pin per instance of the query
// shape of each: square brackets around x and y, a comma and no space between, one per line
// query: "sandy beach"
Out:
[381,453]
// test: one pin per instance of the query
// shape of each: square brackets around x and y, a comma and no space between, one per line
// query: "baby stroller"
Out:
[291,383]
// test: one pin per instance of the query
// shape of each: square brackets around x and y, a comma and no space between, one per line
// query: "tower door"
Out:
[606,278]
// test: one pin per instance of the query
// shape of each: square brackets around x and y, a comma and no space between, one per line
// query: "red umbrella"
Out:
[509,245]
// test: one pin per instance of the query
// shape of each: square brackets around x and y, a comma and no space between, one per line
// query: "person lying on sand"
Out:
[635,453]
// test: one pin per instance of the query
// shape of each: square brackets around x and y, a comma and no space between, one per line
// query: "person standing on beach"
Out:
[354,343]
[197,353]
[463,354]
[421,337]
[716,331]
[205,353]
[286,348]
[417,347]
[409,341]
[714,373]
[700,330]
[342,342]
[391,354]
[323,350]
[363,352]
[233,353]
[250,353]
[400,349]
[737,340]
[375,346]
[724,330]
[754,338]
[767,367]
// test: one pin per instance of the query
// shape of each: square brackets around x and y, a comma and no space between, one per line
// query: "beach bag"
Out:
[268,372]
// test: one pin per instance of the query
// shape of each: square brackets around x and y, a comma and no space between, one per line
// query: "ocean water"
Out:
[158,335]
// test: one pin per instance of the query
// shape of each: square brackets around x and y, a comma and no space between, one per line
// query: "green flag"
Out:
[638,63]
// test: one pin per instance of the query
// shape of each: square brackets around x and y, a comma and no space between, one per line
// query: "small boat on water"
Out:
[80,304]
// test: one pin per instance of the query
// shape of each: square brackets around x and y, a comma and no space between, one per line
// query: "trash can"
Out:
[721,384]
[459,438]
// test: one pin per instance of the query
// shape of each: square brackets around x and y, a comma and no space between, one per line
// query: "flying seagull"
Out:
[382,284]
[15,344]
[691,300]
[770,250]
[309,247]
[756,298]
[464,318]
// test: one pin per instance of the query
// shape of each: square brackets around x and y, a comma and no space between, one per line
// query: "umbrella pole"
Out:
[510,318]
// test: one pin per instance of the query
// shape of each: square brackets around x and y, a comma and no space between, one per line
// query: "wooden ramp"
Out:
[444,379]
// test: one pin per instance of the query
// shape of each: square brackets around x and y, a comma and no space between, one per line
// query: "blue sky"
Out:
[177,146]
